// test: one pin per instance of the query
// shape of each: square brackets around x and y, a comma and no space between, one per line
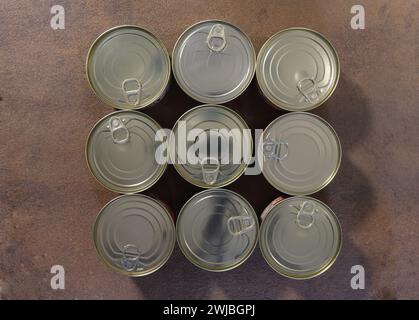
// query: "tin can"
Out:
[217,230]
[300,153]
[213,61]
[210,146]
[128,68]
[134,235]
[297,69]
[122,151]
[300,237]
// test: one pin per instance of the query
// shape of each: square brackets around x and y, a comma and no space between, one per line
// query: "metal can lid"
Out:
[122,151]
[297,69]
[128,67]
[217,230]
[210,146]
[213,61]
[300,153]
[300,237]
[134,235]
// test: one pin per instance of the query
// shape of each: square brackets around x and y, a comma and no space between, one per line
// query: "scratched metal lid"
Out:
[122,151]
[300,153]
[213,61]
[128,67]
[297,69]
[300,237]
[210,146]
[217,229]
[134,235]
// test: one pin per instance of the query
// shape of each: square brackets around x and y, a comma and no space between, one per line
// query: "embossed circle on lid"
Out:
[300,153]
[128,67]
[297,69]
[122,151]
[213,61]
[134,234]
[300,237]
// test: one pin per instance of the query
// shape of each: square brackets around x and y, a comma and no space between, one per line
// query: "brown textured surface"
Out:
[48,200]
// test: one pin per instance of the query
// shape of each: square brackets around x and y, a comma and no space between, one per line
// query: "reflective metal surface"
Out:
[134,235]
[297,69]
[300,237]
[217,230]
[128,67]
[121,152]
[219,142]
[300,153]
[213,61]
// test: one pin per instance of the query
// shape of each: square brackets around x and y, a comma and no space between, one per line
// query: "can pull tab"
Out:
[119,131]
[309,89]
[130,258]
[305,216]
[244,224]
[216,40]
[210,169]
[273,149]
[132,90]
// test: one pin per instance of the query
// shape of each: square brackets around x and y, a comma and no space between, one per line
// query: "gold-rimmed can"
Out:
[128,67]
[297,69]
[217,230]
[123,151]
[134,235]
[300,237]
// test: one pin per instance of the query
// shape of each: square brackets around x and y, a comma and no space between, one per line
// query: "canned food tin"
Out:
[297,69]
[122,151]
[128,68]
[300,153]
[134,235]
[210,146]
[213,61]
[300,237]
[217,230]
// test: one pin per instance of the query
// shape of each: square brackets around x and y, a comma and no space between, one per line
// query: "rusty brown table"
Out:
[48,200]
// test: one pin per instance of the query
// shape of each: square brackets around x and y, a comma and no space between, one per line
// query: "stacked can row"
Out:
[213,62]
[299,153]
[217,230]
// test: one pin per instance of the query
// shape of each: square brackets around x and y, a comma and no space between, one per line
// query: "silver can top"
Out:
[210,146]
[297,69]
[217,230]
[300,237]
[134,235]
[122,151]
[128,67]
[300,153]
[213,61]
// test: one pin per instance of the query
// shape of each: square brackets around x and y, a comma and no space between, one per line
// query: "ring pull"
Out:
[305,216]
[119,131]
[245,224]
[273,149]
[132,90]
[216,40]
[309,89]
[130,258]
[210,169]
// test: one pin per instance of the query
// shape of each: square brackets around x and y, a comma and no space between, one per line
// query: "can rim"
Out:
[128,273]
[335,171]
[259,77]
[89,166]
[325,267]
[107,101]
[210,101]
[244,165]
[244,258]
